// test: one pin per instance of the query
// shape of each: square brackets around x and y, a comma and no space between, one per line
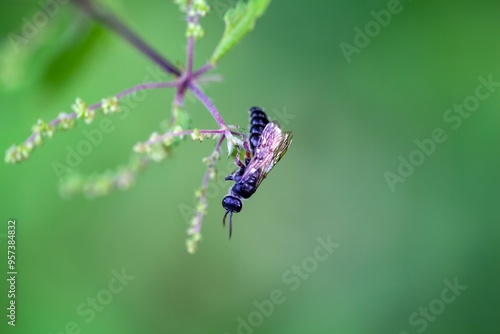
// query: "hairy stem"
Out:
[149,85]
[179,97]
[196,226]
[190,46]
[161,138]
[202,70]
[113,23]
[122,94]
[208,104]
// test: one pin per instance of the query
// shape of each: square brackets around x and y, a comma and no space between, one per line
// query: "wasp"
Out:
[264,147]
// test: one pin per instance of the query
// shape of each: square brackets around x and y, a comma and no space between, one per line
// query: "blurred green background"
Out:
[397,250]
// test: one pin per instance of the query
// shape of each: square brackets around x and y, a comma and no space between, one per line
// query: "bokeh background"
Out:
[397,250]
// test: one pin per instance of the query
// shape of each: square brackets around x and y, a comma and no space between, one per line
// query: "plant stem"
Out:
[196,227]
[202,70]
[159,139]
[190,55]
[113,23]
[149,85]
[179,97]
[208,104]
[190,46]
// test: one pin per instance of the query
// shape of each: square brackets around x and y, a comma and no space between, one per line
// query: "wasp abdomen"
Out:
[258,121]
[257,112]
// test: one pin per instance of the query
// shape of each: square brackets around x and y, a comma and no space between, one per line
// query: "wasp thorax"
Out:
[243,189]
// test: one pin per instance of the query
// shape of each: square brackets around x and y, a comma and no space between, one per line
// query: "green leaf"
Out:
[239,21]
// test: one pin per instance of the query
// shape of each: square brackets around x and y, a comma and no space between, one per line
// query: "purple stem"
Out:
[190,46]
[190,54]
[113,23]
[179,97]
[202,70]
[186,77]
[208,104]
[204,185]
[150,85]
[183,133]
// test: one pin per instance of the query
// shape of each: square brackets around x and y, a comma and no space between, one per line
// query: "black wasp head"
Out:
[231,204]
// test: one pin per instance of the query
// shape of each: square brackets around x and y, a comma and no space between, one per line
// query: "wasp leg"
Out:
[246,146]
[236,175]
[237,159]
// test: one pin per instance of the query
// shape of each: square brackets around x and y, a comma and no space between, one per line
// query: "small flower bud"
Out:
[12,155]
[38,139]
[201,208]
[66,121]
[82,111]
[196,135]
[157,152]
[212,174]
[199,193]
[182,4]
[141,148]
[201,7]
[167,141]
[110,105]
[194,30]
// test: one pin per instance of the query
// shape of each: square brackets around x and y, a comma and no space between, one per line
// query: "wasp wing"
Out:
[272,145]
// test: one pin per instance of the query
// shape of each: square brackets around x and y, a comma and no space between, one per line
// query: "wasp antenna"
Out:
[230,225]
[224,219]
